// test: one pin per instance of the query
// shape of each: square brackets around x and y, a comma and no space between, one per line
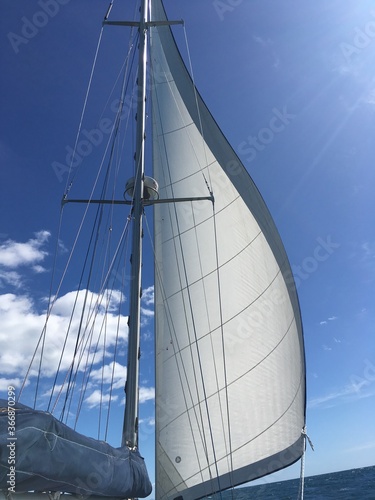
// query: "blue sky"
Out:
[291,84]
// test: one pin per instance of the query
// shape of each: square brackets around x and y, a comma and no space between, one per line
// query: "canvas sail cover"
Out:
[230,370]
[46,455]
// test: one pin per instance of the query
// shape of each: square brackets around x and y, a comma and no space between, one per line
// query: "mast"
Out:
[130,429]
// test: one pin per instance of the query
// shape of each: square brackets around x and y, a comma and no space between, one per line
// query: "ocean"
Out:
[358,484]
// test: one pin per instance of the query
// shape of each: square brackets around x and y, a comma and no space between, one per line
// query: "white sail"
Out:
[230,373]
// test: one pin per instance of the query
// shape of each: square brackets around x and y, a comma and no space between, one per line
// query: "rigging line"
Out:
[68,330]
[44,331]
[62,386]
[95,309]
[97,225]
[198,110]
[103,364]
[71,382]
[119,116]
[210,329]
[172,328]
[89,365]
[200,366]
[124,87]
[83,112]
[76,241]
[100,293]
[223,351]
[84,348]
[186,126]
[49,306]
[181,369]
[115,346]
[166,172]
[189,307]
[302,469]
[94,242]
[86,352]
[125,65]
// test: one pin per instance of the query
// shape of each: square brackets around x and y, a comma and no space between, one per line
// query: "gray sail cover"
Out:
[230,369]
[49,456]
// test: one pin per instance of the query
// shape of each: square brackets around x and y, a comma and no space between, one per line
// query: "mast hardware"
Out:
[147,24]
[145,202]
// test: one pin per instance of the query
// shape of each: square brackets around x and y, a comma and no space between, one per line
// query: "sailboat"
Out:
[229,354]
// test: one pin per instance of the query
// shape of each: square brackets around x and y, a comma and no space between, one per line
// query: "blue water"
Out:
[358,484]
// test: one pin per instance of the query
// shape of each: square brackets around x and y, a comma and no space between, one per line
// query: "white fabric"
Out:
[230,375]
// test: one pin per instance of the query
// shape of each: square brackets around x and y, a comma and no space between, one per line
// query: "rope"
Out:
[68,186]
[198,108]
[302,470]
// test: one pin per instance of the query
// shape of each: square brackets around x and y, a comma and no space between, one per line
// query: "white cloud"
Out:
[23,322]
[6,382]
[39,269]
[147,300]
[325,321]
[265,42]
[22,325]
[10,278]
[14,254]
[113,373]
[148,296]
[96,398]
[146,394]
[147,312]
[150,421]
